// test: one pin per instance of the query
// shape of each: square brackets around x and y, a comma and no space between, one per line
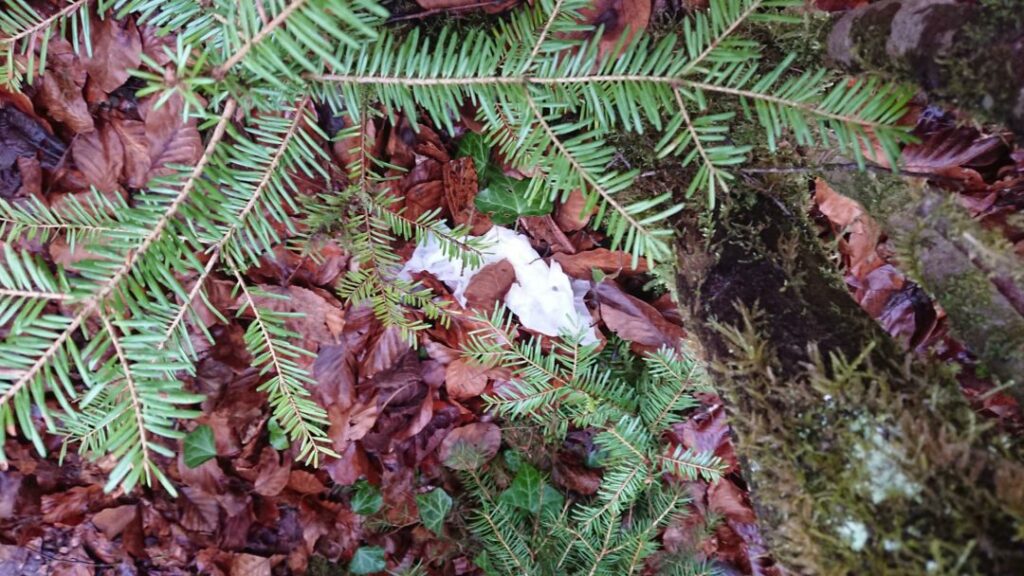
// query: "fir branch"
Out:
[134,403]
[242,52]
[45,23]
[93,303]
[239,221]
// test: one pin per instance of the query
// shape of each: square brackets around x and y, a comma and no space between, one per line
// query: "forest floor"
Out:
[395,409]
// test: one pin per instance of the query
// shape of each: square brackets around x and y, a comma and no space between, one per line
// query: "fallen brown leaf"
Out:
[60,89]
[463,379]
[583,264]
[471,446]
[100,156]
[634,320]
[570,215]
[171,139]
[116,48]
[489,285]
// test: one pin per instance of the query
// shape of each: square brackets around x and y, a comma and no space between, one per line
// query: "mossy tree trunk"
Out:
[973,273]
[969,54]
[860,460]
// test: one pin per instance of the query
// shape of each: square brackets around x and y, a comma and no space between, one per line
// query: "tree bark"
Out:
[860,459]
[968,54]
[971,272]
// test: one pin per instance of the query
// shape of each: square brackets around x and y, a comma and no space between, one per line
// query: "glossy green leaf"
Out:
[367,560]
[506,199]
[366,498]
[434,507]
[200,446]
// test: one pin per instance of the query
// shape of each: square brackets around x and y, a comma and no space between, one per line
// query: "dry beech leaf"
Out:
[619,18]
[470,446]
[305,482]
[583,264]
[489,285]
[116,48]
[171,139]
[112,521]
[634,320]
[273,475]
[849,218]
[135,143]
[250,565]
[545,234]
[463,379]
[100,157]
[60,90]
[199,510]
[65,507]
[570,216]
[575,477]
[730,501]
[323,319]
[156,44]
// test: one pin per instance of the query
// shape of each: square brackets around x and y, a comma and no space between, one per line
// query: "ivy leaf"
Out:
[475,146]
[199,446]
[530,492]
[366,499]
[367,560]
[505,200]
[278,439]
[434,507]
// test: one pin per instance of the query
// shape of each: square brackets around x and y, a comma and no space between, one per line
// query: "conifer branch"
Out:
[633,223]
[242,52]
[133,394]
[543,35]
[723,36]
[240,219]
[713,175]
[106,288]
[34,294]
[46,22]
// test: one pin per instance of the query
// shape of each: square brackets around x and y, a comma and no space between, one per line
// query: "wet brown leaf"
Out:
[545,235]
[460,189]
[70,506]
[100,156]
[570,215]
[731,502]
[199,510]
[171,139]
[273,475]
[113,521]
[619,18]
[135,143]
[250,565]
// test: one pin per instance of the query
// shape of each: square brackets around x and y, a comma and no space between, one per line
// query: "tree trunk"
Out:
[972,272]
[968,54]
[860,460]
